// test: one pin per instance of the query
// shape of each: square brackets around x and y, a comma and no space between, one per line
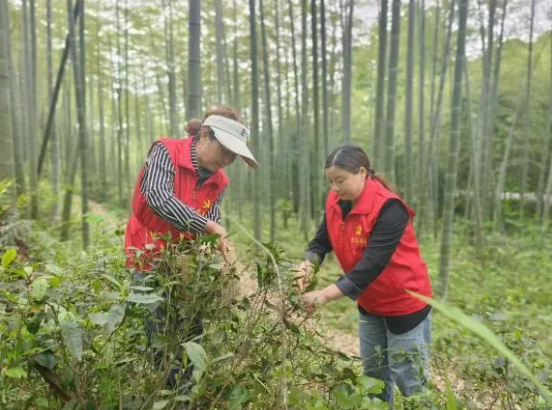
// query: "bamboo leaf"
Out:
[39,288]
[158,405]
[8,257]
[72,337]
[488,336]
[17,372]
[144,299]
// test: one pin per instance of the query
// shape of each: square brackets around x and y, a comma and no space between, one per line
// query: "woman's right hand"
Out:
[223,243]
[304,275]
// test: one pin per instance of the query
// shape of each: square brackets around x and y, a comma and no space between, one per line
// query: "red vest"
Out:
[385,296]
[144,225]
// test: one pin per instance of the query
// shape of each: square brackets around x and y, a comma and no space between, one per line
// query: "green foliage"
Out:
[72,336]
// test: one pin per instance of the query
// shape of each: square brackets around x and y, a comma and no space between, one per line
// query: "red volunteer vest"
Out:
[146,228]
[385,296]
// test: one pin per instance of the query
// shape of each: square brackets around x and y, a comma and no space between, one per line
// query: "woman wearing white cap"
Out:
[179,192]
[180,187]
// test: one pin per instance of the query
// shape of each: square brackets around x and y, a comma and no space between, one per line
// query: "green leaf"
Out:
[112,280]
[144,299]
[21,272]
[237,396]
[55,281]
[71,405]
[56,270]
[158,405]
[34,324]
[370,385]
[342,398]
[42,402]
[197,356]
[141,288]
[99,318]
[223,357]
[348,373]
[488,336]
[72,338]
[451,400]
[39,288]
[115,316]
[8,257]
[46,359]
[15,372]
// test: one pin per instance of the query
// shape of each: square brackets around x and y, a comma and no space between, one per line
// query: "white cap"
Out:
[233,135]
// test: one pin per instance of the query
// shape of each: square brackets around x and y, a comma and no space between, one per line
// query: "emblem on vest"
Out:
[206,206]
[359,239]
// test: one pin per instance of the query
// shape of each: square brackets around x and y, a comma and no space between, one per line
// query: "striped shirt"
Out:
[157,186]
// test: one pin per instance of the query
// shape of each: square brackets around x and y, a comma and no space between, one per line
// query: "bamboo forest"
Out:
[286,204]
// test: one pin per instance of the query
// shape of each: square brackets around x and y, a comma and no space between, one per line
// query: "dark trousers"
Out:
[164,321]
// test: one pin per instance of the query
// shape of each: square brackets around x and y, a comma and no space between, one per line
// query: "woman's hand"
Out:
[304,275]
[223,243]
[313,300]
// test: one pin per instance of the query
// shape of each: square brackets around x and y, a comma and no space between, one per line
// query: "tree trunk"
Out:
[80,145]
[347,68]
[305,129]
[120,128]
[433,150]
[421,198]
[269,131]
[408,162]
[14,98]
[79,66]
[126,129]
[29,29]
[194,61]
[175,129]
[317,200]
[379,146]
[295,141]
[257,188]
[525,161]
[392,90]
[488,180]
[282,142]
[475,170]
[102,145]
[482,148]
[547,136]
[54,149]
[235,63]
[55,95]
[7,167]
[435,58]
[219,42]
[450,180]
[325,107]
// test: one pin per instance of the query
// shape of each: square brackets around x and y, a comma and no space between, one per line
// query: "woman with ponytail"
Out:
[369,228]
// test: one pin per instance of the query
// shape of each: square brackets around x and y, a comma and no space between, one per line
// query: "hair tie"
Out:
[372,171]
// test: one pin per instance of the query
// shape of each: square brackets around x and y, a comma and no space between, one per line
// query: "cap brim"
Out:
[238,147]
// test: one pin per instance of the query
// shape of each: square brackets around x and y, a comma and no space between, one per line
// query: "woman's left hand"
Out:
[313,300]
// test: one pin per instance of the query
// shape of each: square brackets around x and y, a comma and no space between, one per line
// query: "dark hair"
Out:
[351,158]
[193,126]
